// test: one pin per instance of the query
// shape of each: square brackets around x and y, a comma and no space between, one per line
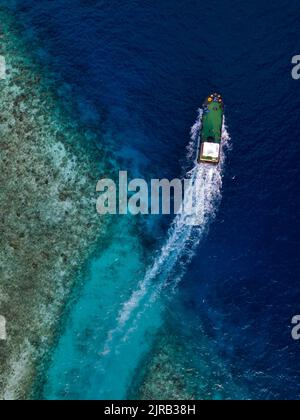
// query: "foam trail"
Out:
[185,232]
[174,257]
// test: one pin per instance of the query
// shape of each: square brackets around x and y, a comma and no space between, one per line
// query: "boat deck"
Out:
[211,133]
[212,121]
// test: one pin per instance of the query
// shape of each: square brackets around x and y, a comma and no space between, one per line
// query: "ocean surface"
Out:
[211,306]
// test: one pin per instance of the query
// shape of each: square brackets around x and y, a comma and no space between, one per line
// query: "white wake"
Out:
[183,238]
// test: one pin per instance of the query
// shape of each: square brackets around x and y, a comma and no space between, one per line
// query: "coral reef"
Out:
[48,220]
[176,370]
[164,376]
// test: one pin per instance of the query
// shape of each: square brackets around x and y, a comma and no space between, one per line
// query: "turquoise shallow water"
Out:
[114,322]
[77,360]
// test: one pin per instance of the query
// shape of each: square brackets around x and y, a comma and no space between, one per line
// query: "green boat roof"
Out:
[212,119]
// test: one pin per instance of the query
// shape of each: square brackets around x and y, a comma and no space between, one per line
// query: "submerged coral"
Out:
[177,370]
[164,377]
[48,220]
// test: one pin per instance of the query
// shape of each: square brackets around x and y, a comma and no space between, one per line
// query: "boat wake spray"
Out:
[142,312]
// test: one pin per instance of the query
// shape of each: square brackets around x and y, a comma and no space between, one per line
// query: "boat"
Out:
[211,131]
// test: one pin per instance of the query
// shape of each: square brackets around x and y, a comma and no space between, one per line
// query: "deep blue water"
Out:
[140,70]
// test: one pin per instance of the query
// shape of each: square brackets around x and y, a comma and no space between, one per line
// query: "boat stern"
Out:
[210,152]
